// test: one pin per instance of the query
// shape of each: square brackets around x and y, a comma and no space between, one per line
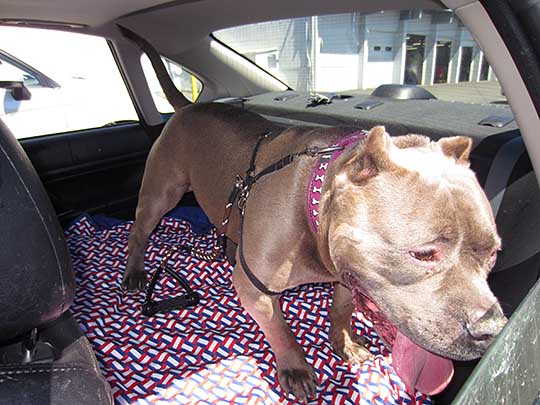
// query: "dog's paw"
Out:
[134,281]
[302,383]
[352,349]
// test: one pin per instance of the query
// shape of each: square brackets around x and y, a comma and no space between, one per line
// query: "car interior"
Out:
[49,181]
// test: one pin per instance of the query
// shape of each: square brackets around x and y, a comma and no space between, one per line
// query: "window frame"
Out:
[45,81]
[245,58]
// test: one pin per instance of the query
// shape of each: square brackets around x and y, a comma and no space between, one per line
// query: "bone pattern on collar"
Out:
[316,180]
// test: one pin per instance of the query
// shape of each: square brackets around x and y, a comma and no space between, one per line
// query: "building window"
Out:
[465,65]
[484,69]
[414,59]
[442,61]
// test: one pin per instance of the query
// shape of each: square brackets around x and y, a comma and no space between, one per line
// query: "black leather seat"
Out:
[44,357]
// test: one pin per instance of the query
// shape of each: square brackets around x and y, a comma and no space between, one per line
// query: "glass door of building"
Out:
[414,59]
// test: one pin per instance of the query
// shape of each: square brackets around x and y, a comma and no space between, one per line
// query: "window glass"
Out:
[73,79]
[358,52]
[188,84]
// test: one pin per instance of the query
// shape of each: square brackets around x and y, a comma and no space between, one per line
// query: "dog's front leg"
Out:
[295,375]
[348,345]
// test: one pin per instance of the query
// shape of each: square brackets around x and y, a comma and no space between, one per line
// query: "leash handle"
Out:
[190,299]
[184,301]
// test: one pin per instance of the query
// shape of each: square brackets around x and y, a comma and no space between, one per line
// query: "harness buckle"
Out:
[239,182]
[242,200]
[243,193]
[314,151]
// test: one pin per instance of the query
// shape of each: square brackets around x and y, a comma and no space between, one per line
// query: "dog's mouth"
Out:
[419,368]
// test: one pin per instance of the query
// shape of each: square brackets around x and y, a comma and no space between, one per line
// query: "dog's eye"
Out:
[429,255]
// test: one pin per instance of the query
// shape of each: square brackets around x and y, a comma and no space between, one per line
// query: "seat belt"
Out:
[500,171]
[496,186]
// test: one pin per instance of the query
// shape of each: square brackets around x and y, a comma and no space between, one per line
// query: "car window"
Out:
[73,79]
[187,83]
[358,52]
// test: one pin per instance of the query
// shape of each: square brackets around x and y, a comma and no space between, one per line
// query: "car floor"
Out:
[214,352]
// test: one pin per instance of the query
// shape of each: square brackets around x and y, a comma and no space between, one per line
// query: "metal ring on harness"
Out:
[242,200]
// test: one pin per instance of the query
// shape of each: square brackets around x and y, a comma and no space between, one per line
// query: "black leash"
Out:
[239,194]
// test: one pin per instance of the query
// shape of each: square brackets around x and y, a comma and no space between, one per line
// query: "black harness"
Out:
[238,195]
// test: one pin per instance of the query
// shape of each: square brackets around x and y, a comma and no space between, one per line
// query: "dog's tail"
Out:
[173,95]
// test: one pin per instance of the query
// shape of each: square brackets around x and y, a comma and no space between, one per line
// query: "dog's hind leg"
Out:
[162,188]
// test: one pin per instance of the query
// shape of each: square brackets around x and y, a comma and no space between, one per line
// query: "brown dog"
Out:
[405,231]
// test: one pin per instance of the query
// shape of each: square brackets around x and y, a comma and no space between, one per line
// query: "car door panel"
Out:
[95,171]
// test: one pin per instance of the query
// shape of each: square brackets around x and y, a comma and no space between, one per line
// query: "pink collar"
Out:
[316,179]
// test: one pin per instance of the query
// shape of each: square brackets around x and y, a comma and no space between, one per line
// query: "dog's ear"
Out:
[457,147]
[373,158]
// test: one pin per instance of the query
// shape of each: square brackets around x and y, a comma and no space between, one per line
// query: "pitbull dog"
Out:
[405,233]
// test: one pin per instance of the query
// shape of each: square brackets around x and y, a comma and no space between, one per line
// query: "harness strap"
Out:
[252,277]
[251,167]
[280,164]
[241,192]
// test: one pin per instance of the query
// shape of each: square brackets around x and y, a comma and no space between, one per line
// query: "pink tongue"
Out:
[420,369]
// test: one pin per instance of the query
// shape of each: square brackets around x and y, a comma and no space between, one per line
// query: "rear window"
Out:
[357,52]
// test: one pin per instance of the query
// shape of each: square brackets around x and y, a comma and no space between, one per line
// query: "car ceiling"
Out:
[185,21]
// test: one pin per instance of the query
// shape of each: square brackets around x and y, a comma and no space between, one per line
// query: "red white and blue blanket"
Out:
[213,353]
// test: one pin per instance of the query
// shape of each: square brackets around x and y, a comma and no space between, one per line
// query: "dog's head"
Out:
[409,230]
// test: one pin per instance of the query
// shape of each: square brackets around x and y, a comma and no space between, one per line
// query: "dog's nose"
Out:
[485,325]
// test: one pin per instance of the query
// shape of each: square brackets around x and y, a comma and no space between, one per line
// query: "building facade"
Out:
[362,51]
